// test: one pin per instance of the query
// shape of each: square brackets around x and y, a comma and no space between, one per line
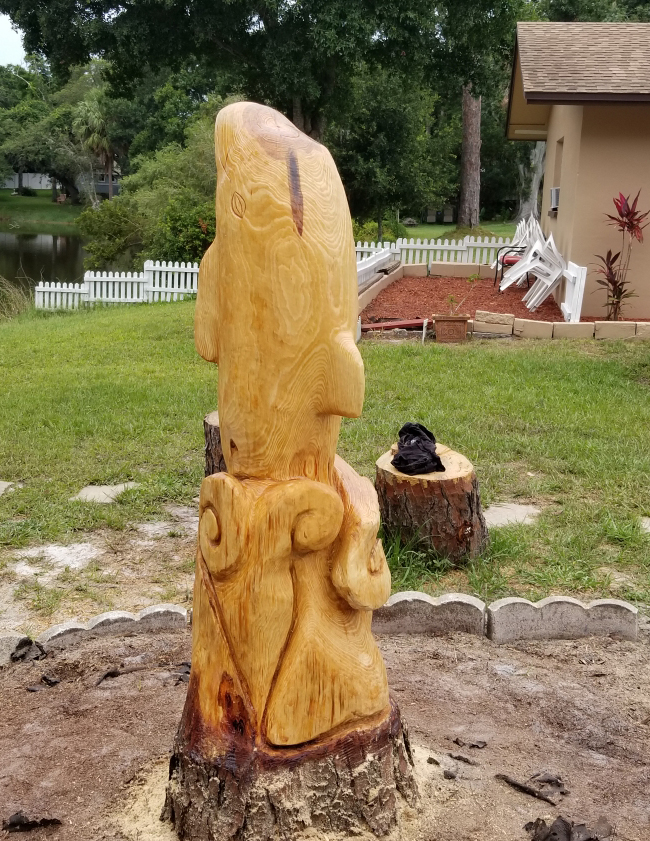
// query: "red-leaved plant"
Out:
[630,222]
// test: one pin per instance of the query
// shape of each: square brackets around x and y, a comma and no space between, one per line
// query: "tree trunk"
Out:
[70,188]
[442,510]
[470,161]
[350,783]
[55,192]
[110,177]
[214,460]
[297,117]
[20,180]
[530,204]
[380,225]
[318,124]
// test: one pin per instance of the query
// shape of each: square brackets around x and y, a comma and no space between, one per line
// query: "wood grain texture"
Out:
[277,299]
[285,671]
[442,510]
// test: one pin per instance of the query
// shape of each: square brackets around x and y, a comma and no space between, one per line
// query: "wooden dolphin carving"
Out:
[277,301]
[289,567]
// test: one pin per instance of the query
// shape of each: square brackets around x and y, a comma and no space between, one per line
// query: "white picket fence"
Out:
[369,266]
[159,282]
[162,281]
[466,250]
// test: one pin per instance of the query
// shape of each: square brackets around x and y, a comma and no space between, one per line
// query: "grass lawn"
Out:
[36,214]
[119,394]
[499,229]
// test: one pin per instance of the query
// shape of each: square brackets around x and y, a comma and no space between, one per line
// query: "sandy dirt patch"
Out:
[146,564]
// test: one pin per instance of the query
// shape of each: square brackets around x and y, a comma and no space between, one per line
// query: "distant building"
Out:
[39,181]
[584,88]
[33,180]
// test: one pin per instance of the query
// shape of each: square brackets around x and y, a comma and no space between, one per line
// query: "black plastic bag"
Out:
[416,451]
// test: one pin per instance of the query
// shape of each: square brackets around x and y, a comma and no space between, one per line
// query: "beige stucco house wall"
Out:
[595,148]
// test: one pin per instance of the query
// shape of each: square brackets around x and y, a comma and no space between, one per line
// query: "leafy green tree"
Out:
[594,10]
[165,209]
[392,152]
[299,57]
[91,125]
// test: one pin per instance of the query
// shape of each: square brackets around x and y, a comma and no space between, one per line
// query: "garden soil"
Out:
[94,755]
[422,297]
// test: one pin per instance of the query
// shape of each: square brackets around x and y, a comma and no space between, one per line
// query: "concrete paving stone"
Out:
[162,617]
[494,318]
[104,494]
[62,634]
[4,486]
[112,622]
[615,329]
[9,645]
[159,529]
[645,525]
[526,328]
[559,617]
[510,513]
[565,330]
[413,612]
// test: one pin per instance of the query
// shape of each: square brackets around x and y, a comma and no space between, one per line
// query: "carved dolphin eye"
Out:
[238,205]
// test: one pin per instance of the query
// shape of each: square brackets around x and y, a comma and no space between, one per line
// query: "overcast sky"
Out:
[11,44]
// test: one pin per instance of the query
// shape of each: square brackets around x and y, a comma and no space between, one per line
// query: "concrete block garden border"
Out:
[506,620]
[411,612]
[159,617]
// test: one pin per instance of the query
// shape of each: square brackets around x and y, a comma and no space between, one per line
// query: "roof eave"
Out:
[582,97]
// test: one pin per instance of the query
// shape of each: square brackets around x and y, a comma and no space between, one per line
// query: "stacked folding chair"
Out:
[549,270]
[527,233]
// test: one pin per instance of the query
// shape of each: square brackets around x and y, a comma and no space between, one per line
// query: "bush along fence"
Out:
[159,282]
[466,250]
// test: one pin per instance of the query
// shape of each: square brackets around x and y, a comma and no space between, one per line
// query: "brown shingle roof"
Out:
[584,61]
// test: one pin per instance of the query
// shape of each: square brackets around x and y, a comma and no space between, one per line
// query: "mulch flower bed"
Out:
[421,297]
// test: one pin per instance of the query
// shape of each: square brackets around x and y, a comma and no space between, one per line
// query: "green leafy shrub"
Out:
[367,231]
[184,231]
[165,210]
[115,231]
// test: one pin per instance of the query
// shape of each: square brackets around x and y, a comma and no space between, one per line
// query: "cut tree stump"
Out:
[443,510]
[350,783]
[214,460]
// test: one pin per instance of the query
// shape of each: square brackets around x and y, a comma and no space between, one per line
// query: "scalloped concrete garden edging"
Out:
[560,617]
[158,617]
[506,620]
[411,612]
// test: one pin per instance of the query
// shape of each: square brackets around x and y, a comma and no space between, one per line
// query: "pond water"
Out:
[30,258]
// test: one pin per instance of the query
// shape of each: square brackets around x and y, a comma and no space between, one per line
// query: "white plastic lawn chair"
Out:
[518,272]
[521,239]
[549,268]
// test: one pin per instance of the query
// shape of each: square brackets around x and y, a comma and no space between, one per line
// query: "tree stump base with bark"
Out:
[214,460]
[441,510]
[351,782]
